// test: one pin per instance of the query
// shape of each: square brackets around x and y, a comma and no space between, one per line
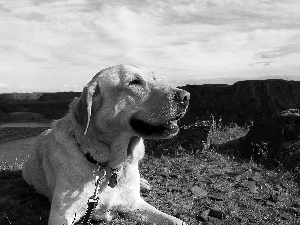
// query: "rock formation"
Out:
[270,139]
[243,101]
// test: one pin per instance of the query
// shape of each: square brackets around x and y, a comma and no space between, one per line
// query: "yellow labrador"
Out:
[92,154]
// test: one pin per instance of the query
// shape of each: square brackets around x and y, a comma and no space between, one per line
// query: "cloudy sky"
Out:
[57,45]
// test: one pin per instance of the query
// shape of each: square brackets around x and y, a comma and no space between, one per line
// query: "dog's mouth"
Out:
[147,130]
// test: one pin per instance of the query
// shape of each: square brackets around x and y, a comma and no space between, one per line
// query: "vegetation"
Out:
[220,134]
[209,187]
[50,109]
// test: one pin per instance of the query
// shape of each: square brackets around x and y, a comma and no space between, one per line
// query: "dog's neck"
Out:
[114,151]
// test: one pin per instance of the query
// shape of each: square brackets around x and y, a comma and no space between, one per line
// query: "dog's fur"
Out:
[119,107]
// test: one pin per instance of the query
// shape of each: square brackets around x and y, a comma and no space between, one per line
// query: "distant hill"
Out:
[42,96]
[48,105]
[21,96]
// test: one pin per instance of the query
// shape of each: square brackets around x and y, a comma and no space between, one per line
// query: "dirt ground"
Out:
[16,151]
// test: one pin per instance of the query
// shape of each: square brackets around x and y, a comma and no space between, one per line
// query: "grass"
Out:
[209,188]
[220,134]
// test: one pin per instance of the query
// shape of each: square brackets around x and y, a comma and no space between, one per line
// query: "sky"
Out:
[59,45]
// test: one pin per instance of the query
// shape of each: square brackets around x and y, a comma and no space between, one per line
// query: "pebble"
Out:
[189,170]
[214,220]
[164,174]
[216,197]
[173,175]
[199,192]
[204,214]
[269,203]
[255,177]
[238,178]
[187,207]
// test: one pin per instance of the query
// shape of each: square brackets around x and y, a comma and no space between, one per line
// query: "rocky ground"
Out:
[207,188]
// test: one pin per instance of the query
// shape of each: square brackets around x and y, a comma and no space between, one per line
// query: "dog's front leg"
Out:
[63,212]
[67,211]
[58,213]
[68,205]
[148,214]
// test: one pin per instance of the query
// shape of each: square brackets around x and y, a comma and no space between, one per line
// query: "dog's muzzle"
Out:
[166,129]
[147,130]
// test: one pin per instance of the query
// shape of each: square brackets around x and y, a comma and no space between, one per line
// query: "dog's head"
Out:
[126,98]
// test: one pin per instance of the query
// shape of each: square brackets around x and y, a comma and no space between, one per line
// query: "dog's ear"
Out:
[83,110]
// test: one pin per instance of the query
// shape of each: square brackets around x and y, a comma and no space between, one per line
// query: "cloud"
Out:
[236,14]
[33,16]
[280,52]
[38,2]
[59,42]
[267,63]
[4,9]
[3,85]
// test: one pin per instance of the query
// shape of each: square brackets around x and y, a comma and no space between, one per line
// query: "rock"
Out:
[217,213]
[285,184]
[164,173]
[175,176]
[204,214]
[186,194]
[187,207]
[269,203]
[216,197]
[188,170]
[289,154]
[201,178]
[284,216]
[248,184]
[254,189]
[145,186]
[265,140]
[243,221]
[238,178]
[214,220]
[198,192]
[193,137]
[255,177]
[260,200]
[295,211]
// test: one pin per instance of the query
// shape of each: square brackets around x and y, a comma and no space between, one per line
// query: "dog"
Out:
[91,155]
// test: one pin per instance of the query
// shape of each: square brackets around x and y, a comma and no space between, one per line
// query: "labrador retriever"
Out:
[90,156]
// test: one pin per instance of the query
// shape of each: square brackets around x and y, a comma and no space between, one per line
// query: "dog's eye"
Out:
[136,81]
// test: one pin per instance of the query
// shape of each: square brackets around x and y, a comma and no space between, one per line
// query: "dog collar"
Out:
[92,160]
[114,172]
[88,155]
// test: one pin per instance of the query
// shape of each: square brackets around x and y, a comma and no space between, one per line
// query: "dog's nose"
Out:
[182,97]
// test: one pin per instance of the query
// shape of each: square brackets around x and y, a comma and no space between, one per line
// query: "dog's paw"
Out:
[145,186]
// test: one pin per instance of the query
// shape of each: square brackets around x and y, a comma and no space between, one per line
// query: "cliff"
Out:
[243,101]
[239,103]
